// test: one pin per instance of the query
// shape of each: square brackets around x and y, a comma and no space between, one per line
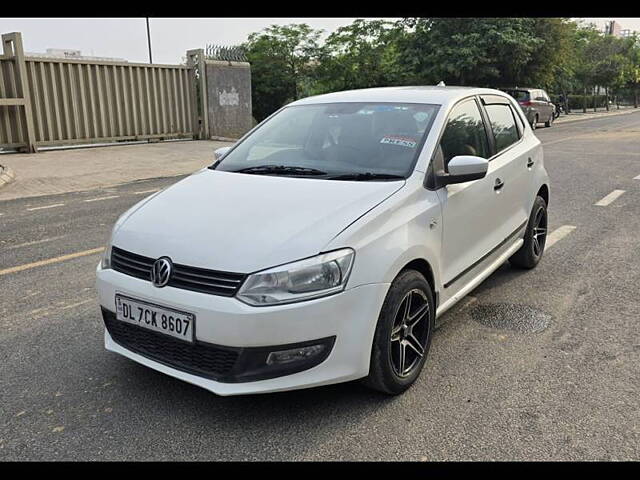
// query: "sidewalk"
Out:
[64,171]
[579,115]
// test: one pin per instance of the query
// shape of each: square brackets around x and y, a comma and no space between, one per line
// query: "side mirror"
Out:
[464,168]
[220,152]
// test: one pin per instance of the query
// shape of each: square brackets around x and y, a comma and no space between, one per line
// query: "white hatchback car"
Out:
[323,245]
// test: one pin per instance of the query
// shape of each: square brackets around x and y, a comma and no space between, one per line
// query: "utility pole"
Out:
[149,40]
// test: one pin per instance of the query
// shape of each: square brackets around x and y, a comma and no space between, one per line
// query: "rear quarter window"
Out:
[519,95]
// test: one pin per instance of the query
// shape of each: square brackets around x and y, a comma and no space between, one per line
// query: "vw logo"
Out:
[161,272]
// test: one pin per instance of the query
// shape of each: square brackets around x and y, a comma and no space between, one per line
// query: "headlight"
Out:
[313,277]
[105,263]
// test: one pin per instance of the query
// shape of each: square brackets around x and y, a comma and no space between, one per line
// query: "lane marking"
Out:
[609,199]
[46,206]
[146,191]
[77,304]
[635,178]
[102,198]
[49,261]
[558,234]
[35,242]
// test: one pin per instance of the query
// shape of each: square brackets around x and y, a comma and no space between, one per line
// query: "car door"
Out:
[512,160]
[549,104]
[542,105]
[469,217]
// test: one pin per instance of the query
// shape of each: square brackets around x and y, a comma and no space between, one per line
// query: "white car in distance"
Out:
[323,245]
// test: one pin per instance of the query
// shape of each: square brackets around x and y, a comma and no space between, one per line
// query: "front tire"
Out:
[550,121]
[535,237]
[534,124]
[403,334]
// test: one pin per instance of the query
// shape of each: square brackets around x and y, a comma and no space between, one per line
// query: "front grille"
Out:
[225,284]
[201,359]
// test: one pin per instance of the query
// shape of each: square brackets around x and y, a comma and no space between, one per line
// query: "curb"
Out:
[593,116]
[6,176]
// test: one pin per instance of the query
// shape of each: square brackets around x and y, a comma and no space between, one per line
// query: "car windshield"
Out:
[519,95]
[345,141]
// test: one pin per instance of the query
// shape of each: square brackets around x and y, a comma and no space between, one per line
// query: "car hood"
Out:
[244,223]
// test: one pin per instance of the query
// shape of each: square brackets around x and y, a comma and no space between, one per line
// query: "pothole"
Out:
[510,316]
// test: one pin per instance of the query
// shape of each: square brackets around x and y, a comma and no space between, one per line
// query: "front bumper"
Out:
[348,319]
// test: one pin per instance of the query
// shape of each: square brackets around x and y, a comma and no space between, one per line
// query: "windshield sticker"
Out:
[399,140]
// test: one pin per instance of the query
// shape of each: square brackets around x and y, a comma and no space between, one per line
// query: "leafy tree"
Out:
[360,55]
[610,65]
[631,73]
[557,54]
[586,50]
[469,51]
[282,60]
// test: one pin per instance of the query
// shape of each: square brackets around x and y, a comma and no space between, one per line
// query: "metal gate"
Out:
[54,101]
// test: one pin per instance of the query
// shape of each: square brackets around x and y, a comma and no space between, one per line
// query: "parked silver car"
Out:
[535,104]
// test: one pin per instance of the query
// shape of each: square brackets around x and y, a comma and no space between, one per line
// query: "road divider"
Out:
[49,261]
[609,199]
[558,234]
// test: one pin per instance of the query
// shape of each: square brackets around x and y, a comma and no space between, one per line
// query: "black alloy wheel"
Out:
[403,334]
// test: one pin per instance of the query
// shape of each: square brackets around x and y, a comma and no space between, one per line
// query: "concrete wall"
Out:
[228,98]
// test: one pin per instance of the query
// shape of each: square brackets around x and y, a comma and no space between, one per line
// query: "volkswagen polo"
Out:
[325,245]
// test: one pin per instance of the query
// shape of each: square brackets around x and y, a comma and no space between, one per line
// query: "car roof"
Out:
[407,94]
[521,88]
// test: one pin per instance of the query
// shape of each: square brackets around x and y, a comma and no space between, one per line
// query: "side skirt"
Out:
[475,281]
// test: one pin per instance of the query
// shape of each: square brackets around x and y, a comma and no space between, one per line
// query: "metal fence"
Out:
[50,101]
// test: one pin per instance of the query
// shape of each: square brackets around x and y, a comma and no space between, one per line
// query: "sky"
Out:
[170,37]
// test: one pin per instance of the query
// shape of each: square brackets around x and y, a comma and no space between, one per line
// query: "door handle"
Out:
[530,163]
[498,185]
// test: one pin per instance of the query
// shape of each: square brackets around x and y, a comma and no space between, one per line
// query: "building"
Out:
[71,54]
[614,28]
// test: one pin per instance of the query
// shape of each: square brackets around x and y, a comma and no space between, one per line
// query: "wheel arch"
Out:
[543,192]
[421,265]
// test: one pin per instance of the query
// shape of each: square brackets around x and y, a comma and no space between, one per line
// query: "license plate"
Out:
[155,317]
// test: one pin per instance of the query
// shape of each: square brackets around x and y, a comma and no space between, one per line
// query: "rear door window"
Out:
[503,125]
[519,95]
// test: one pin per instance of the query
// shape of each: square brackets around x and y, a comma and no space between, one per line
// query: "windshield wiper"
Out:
[365,176]
[281,170]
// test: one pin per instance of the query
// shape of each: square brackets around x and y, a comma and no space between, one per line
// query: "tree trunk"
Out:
[594,98]
[584,100]
[606,98]
[635,97]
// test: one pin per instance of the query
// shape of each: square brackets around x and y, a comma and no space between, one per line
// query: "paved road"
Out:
[539,365]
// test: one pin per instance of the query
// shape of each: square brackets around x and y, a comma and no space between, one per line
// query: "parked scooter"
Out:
[559,108]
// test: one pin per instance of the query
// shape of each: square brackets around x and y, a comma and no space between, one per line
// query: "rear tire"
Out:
[535,237]
[403,334]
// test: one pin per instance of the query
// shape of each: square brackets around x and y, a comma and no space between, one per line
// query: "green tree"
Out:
[610,65]
[360,55]
[631,73]
[586,54]
[469,51]
[282,60]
